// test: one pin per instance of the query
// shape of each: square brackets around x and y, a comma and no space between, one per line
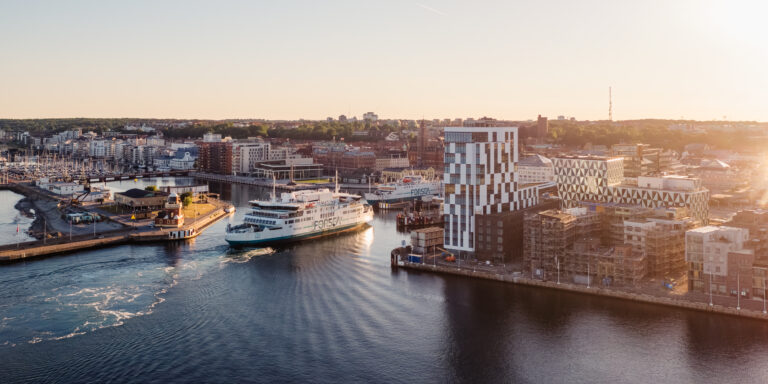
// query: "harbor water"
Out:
[333,310]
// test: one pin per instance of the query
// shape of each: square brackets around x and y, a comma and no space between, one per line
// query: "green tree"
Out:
[151,188]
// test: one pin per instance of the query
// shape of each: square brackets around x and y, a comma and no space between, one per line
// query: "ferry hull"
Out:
[242,239]
[397,200]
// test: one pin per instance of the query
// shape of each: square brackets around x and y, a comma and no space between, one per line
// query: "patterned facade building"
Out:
[480,178]
[587,178]
[665,191]
[600,179]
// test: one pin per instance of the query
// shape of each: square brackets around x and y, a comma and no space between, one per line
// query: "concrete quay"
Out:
[33,249]
[721,305]
[251,181]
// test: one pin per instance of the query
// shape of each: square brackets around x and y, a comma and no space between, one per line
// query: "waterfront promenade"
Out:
[727,305]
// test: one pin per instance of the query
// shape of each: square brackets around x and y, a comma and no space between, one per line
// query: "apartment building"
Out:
[707,252]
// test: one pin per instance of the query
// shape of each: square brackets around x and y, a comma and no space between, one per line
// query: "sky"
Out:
[291,59]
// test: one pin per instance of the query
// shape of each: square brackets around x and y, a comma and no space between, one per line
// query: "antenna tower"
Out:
[610,105]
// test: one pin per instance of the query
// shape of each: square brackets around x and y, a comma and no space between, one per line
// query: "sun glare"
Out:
[742,21]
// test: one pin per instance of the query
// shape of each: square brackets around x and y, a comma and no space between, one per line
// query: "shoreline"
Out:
[27,208]
[49,223]
[617,294]
[55,235]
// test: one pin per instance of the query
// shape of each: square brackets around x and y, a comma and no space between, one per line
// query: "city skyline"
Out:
[401,59]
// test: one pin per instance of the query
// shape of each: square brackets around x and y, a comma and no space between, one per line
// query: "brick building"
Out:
[499,236]
[215,157]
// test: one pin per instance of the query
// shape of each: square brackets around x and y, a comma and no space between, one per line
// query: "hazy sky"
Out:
[286,59]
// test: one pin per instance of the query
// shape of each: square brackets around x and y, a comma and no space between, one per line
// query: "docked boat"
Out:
[408,188]
[300,215]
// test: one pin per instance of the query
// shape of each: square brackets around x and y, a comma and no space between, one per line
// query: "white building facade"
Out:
[708,247]
[536,169]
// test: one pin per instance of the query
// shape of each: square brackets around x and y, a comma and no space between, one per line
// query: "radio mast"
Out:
[610,105]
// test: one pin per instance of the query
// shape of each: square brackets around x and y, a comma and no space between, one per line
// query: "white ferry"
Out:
[300,215]
[408,188]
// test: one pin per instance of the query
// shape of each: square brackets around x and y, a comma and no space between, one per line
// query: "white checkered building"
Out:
[480,178]
[600,179]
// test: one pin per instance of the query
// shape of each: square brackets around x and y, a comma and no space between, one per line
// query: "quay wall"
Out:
[44,250]
[11,254]
[597,291]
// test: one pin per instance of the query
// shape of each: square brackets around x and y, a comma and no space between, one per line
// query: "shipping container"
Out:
[414,259]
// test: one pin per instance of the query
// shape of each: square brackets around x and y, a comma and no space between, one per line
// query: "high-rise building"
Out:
[215,157]
[479,178]
[542,127]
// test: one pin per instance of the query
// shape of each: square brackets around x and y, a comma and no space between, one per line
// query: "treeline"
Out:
[58,125]
[330,130]
[653,132]
[306,131]
[226,129]
[319,130]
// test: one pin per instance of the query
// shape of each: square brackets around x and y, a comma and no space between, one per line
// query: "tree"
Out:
[186,201]
[151,188]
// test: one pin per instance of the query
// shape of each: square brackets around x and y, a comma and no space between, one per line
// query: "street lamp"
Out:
[738,290]
[764,311]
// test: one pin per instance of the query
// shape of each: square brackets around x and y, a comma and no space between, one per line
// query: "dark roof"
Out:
[136,193]
[401,169]
[535,160]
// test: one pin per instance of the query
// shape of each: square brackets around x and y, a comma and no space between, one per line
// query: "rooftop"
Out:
[136,193]
[535,161]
